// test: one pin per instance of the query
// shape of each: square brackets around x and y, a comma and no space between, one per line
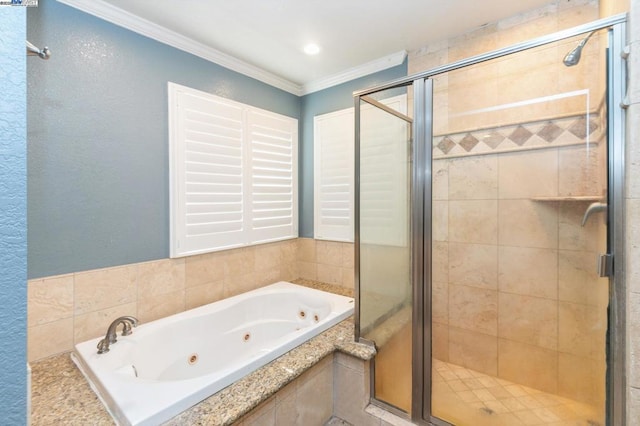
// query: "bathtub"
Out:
[171,364]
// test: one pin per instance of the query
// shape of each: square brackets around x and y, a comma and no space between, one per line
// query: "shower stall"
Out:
[488,214]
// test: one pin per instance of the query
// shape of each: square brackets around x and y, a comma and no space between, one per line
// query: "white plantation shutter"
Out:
[232,173]
[273,153]
[334,175]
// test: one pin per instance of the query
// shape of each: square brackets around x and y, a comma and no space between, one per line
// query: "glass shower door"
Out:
[383,239]
[519,318]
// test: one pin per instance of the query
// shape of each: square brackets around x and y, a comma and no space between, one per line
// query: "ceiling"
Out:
[268,36]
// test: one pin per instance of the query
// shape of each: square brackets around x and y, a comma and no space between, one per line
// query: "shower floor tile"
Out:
[467,397]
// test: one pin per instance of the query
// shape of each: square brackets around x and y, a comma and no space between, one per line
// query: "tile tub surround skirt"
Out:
[143,381]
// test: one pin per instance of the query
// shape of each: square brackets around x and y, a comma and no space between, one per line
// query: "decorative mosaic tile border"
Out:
[536,134]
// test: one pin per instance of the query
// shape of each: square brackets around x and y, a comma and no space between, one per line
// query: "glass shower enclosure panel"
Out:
[519,317]
[383,241]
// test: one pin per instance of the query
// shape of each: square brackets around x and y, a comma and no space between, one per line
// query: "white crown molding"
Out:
[356,72]
[122,18]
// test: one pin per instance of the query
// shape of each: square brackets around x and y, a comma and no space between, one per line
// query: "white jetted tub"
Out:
[171,364]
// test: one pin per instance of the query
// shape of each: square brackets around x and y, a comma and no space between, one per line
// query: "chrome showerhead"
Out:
[573,57]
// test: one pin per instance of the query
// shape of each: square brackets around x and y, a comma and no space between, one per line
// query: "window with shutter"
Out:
[382,163]
[334,175]
[233,176]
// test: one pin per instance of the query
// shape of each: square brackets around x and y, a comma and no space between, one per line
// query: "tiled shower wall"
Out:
[516,293]
[633,219]
[79,306]
[515,289]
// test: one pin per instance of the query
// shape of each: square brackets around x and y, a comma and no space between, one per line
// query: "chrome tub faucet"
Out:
[127,323]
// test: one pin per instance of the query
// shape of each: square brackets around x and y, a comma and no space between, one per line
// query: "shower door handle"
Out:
[605,265]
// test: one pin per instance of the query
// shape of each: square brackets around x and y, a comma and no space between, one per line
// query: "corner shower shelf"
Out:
[571,198]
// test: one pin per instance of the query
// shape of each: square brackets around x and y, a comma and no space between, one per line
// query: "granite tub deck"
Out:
[61,395]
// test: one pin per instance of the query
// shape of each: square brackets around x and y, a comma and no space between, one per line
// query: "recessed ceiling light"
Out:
[312,49]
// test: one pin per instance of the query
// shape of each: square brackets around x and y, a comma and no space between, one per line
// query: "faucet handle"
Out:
[103,346]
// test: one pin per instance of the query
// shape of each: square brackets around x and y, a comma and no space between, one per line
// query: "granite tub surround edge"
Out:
[61,394]
[330,288]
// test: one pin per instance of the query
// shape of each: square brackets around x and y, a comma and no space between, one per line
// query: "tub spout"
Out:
[127,323]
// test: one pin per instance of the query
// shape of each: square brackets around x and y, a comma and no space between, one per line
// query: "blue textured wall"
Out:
[98,156]
[13,211]
[328,100]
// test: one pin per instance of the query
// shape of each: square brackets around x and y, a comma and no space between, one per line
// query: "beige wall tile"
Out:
[576,13]
[329,252]
[476,351]
[473,178]
[525,223]
[633,404]
[329,274]
[160,277]
[239,261]
[633,327]
[289,250]
[315,394]
[440,221]
[473,309]
[286,410]
[528,174]
[581,330]
[575,78]
[349,396]
[349,361]
[463,99]
[440,302]
[268,256]
[49,299]
[263,415]
[481,40]
[307,270]
[633,154]
[348,255]
[348,278]
[104,288]
[528,319]
[440,180]
[440,341]
[528,25]
[239,284]
[473,221]
[429,56]
[204,268]
[582,379]
[49,339]
[440,261]
[94,324]
[473,265]
[528,271]
[578,280]
[632,227]
[306,249]
[204,294]
[266,277]
[160,306]
[528,365]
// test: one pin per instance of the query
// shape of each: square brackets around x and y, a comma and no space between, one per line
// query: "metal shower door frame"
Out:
[422,214]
